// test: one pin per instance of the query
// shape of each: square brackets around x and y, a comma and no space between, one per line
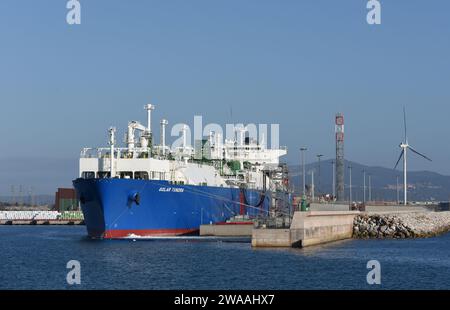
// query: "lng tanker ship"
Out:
[156,190]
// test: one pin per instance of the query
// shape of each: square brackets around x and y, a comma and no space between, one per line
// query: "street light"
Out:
[334,178]
[364,187]
[319,156]
[302,150]
[312,186]
[350,168]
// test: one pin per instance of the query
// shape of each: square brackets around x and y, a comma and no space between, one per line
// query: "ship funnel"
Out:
[164,123]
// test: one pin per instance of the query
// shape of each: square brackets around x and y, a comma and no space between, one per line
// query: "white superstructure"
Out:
[212,162]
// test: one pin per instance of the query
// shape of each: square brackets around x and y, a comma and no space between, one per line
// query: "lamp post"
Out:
[319,156]
[302,150]
[364,187]
[350,168]
[334,178]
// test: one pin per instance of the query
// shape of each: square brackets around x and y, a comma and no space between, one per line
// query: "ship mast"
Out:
[112,139]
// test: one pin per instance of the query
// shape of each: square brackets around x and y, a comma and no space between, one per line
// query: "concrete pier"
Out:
[308,228]
[316,227]
[227,230]
[271,238]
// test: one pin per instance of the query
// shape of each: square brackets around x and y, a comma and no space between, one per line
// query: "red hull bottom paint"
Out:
[117,234]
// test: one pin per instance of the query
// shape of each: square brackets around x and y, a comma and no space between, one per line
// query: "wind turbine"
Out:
[405,146]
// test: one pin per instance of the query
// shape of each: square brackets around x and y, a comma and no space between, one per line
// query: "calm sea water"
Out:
[35,257]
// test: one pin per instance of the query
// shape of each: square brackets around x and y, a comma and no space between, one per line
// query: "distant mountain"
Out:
[423,185]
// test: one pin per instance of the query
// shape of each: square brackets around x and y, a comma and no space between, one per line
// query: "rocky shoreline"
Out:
[401,225]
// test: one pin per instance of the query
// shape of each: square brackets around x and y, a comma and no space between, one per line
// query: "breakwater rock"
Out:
[401,225]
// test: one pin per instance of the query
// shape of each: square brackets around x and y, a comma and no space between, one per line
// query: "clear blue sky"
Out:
[291,62]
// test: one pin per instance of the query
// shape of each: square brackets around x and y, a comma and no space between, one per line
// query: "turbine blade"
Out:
[411,148]
[400,158]
[404,121]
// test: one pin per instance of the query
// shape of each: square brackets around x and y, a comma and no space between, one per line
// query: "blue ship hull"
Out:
[118,208]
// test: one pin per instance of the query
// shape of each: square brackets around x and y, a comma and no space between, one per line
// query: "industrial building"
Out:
[66,200]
